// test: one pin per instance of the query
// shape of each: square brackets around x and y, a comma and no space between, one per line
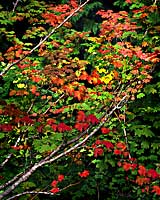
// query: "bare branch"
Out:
[30,192]
[125,134]
[155,2]
[11,181]
[10,155]
[54,103]
[26,175]
[44,193]
[15,5]
[43,40]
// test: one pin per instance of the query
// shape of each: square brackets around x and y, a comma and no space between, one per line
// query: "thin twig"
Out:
[30,108]
[54,103]
[31,192]
[10,155]
[44,193]
[125,134]
[11,181]
[70,185]
[15,5]
[43,40]
[155,2]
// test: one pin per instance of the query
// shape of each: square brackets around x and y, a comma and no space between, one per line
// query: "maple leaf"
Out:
[54,190]
[128,1]
[60,177]
[121,145]
[62,127]
[142,170]
[6,127]
[81,117]
[26,120]
[126,166]
[117,152]
[83,76]
[92,118]
[133,166]
[33,89]
[108,144]
[54,127]
[98,152]
[84,174]
[54,183]
[36,79]
[142,180]
[50,121]
[78,95]
[12,92]
[152,173]
[105,130]
[74,3]
[98,142]
[57,111]
[156,189]
[81,126]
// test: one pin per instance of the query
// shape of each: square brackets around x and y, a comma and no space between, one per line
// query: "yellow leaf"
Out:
[21,85]
[106,79]
[144,44]
[102,70]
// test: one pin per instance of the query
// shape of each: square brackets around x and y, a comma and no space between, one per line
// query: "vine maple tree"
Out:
[65,101]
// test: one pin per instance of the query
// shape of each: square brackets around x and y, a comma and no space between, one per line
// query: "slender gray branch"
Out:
[30,192]
[15,5]
[10,155]
[44,193]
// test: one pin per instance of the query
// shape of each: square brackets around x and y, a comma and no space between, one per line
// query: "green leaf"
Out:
[140,95]
[2,135]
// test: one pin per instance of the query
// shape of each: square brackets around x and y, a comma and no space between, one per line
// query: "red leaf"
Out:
[98,142]
[54,127]
[98,152]
[36,79]
[6,127]
[54,183]
[142,170]
[81,126]
[62,127]
[60,177]
[81,117]
[156,189]
[50,121]
[26,120]
[33,89]
[54,190]
[126,166]
[108,144]
[152,173]
[121,145]
[92,118]
[117,152]
[84,174]
[105,130]
[77,95]
[142,180]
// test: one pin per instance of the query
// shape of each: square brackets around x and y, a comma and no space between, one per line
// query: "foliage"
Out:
[77,111]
